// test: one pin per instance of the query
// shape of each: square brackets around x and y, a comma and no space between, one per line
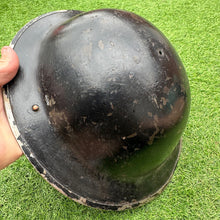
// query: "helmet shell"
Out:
[113,101]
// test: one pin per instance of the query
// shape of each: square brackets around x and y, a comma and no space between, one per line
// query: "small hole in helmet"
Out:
[160,52]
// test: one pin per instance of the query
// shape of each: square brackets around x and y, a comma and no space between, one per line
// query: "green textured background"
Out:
[193,27]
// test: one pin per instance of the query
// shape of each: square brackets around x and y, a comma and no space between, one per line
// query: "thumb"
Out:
[9,64]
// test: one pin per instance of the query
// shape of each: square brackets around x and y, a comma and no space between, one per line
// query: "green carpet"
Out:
[193,27]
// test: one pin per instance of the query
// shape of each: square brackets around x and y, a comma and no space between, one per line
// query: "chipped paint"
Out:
[125,147]
[11,45]
[49,100]
[84,118]
[155,101]
[123,207]
[44,172]
[149,114]
[157,130]
[135,101]
[168,78]
[31,155]
[136,59]
[112,106]
[87,50]
[101,45]
[57,188]
[109,114]
[156,118]
[164,100]
[112,44]
[159,191]
[132,135]
[82,200]
[59,117]
[11,119]
[166,90]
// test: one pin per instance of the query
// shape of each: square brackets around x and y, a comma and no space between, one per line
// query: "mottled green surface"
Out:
[193,27]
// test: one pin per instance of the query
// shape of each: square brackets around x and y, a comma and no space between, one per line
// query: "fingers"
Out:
[9,64]
[9,148]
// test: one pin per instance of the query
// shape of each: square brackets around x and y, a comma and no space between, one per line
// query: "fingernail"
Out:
[6,50]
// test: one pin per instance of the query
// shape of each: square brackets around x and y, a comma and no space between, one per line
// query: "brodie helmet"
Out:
[99,105]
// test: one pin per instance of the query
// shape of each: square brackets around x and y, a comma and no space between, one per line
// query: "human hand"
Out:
[9,148]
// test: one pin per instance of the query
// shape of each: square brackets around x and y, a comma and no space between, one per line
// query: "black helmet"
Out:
[99,105]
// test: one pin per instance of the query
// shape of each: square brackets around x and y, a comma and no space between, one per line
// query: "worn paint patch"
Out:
[50,101]
[136,59]
[101,45]
[82,200]
[123,207]
[164,100]
[87,50]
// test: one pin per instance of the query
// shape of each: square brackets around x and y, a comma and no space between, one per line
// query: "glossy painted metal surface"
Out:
[100,102]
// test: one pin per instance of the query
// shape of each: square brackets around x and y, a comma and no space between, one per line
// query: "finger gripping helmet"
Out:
[99,105]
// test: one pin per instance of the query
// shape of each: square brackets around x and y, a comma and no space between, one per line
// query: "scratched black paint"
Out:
[113,101]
